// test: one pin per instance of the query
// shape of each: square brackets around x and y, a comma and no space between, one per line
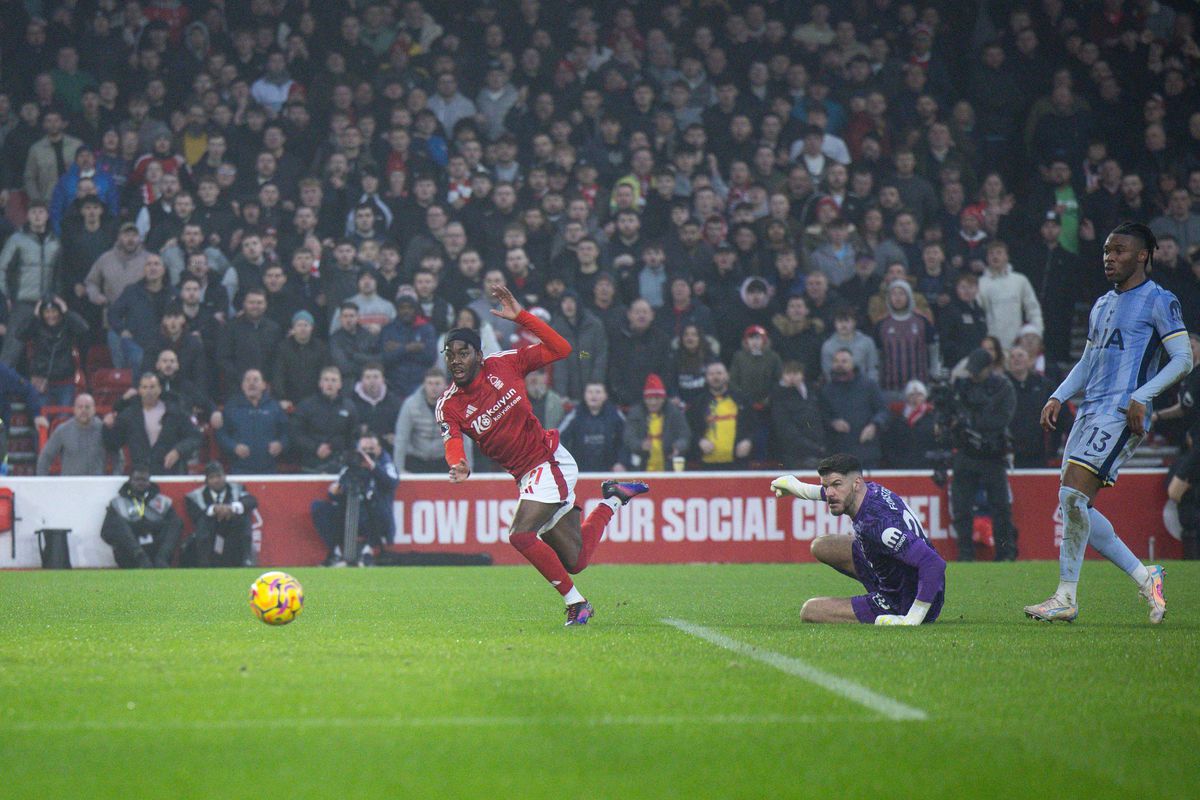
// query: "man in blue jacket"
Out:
[595,433]
[67,187]
[372,476]
[408,344]
[255,430]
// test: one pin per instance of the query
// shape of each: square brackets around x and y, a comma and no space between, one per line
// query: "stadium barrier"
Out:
[686,518]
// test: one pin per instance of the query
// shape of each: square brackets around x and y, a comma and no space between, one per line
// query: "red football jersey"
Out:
[494,411]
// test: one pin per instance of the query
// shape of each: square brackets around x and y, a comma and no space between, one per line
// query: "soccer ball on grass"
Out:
[276,598]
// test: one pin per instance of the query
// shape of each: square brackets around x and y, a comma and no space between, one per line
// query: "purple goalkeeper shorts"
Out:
[876,603]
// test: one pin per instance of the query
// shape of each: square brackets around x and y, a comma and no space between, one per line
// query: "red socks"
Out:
[544,559]
[590,531]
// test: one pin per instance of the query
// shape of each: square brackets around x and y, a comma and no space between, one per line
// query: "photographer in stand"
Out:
[976,412]
[369,475]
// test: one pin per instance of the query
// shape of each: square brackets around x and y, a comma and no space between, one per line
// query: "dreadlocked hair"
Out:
[1143,234]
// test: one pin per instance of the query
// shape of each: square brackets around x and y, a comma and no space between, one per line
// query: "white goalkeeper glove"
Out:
[788,484]
[915,616]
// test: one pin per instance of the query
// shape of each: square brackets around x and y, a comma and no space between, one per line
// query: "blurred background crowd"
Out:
[769,229]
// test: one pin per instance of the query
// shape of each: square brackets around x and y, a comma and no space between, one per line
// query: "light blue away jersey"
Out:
[1127,331]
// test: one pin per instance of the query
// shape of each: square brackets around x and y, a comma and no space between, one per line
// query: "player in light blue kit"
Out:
[1119,375]
[888,554]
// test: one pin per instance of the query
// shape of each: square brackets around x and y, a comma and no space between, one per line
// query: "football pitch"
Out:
[690,682]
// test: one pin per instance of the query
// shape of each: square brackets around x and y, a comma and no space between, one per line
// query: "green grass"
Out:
[462,683]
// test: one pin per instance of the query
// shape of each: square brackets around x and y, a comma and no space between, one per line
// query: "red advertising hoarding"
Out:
[715,517]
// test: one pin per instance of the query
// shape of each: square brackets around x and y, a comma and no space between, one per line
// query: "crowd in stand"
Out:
[765,227]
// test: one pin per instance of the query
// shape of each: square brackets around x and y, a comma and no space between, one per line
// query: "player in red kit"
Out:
[487,402]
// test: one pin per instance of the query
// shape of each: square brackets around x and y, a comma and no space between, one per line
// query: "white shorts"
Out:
[1100,443]
[553,483]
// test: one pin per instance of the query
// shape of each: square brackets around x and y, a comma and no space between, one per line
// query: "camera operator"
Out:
[985,404]
[1184,491]
[371,475]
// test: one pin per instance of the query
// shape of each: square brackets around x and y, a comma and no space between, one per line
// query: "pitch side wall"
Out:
[703,517]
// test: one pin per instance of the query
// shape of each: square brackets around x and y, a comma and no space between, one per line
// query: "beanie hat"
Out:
[654,386]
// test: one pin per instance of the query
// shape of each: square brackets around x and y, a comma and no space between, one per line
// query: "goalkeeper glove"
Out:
[788,484]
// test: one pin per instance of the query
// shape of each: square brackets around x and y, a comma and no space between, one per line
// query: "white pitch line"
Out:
[892,709]
[648,720]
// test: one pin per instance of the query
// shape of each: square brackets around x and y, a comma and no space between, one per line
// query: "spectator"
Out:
[78,442]
[135,317]
[907,341]
[417,438]
[140,524]
[1060,281]
[797,335]
[691,354]
[909,435]
[968,250]
[372,474]
[448,104]
[467,318]
[656,431]
[299,362]
[66,190]
[352,346]
[431,304]
[752,306]
[191,242]
[589,348]
[718,422]
[853,405]
[797,420]
[682,310]
[323,426]
[255,430]
[173,334]
[1181,222]
[250,340]
[49,158]
[1007,297]
[84,239]
[377,408]
[55,336]
[963,323]
[634,352]
[755,370]
[407,343]
[374,312]
[29,265]
[837,256]
[157,434]
[221,513]
[246,270]
[1032,389]
[178,392]
[846,336]
[118,268]
[823,302]
[595,432]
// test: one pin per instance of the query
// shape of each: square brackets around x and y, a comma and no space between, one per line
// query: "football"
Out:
[276,598]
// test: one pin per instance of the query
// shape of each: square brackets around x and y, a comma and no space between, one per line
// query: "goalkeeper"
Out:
[889,554]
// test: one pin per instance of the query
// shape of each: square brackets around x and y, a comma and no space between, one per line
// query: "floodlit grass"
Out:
[462,683]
